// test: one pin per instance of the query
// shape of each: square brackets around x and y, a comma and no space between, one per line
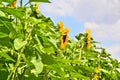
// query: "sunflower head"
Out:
[64,38]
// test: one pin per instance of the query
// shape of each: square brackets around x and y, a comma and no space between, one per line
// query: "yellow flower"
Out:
[64,38]
[36,7]
[96,77]
[96,70]
[88,38]
[12,5]
[61,26]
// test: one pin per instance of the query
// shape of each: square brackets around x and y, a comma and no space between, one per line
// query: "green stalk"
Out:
[12,74]
[20,3]
[22,76]
[80,52]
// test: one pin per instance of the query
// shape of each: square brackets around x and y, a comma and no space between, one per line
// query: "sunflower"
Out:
[64,38]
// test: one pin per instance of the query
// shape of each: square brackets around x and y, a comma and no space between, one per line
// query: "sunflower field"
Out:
[33,48]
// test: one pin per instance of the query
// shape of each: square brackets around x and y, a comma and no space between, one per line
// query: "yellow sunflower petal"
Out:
[96,70]
[61,26]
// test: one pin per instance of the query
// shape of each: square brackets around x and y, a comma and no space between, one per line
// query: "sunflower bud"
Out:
[61,26]
[88,38]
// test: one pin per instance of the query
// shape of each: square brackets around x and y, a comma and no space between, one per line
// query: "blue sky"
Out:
[101,16]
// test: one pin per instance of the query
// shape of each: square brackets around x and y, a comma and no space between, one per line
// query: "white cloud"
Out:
[114,50]
[61,7]
[99,11]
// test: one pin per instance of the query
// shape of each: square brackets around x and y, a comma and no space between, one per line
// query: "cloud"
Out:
[102,11]
[61,7]
[114,50]
[105,32]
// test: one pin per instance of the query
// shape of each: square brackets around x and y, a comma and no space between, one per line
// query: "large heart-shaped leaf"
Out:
[38,66]
[18,43]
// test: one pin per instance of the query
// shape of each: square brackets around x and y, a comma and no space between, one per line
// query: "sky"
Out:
[102,17]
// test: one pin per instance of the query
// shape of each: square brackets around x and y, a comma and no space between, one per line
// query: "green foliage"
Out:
[30,50]
[8,1]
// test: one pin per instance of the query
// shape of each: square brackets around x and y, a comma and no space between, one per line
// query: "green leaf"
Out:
[5,41]
[79,36]
[6,22]
[39,1]
[18,43]
[9,1]
[38,66]
[53,42]
[4,18]
[3,75]
[49,50]
[18,13]
[2,35]
[47,59]
[38,42]
[33,20]
[2,13]
[80,76]
[5,55]
[57,68]
[105,71]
